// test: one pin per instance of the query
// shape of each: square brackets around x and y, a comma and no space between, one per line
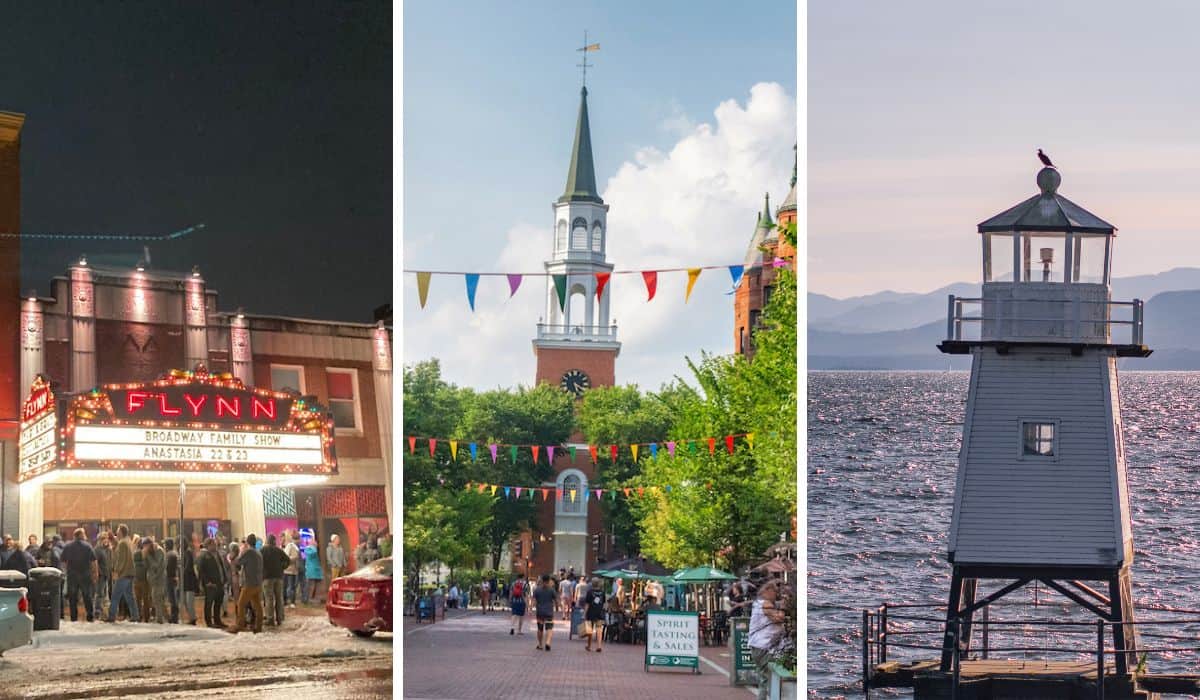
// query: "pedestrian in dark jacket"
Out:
[104,552]
[191,584]
[79,559]
[275,560]
[211,574]
[13,558]
[172,561]
[250,575]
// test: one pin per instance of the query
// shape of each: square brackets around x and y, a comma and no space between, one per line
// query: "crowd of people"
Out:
[128,577]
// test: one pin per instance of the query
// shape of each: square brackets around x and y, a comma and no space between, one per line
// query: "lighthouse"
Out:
[1041,493]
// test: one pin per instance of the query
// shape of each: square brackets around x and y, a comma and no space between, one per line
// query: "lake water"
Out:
[882,456]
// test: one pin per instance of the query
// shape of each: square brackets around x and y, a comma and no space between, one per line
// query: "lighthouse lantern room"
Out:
[1041,492]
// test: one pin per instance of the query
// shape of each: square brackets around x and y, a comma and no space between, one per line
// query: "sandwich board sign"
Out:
[744,670]
[672,639]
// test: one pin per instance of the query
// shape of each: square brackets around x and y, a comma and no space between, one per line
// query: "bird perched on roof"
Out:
[1045,159]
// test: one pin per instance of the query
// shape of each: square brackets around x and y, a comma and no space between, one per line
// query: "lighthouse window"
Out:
[579,235]
[1037,439]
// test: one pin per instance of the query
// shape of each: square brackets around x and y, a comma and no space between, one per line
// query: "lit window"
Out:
[343,398]
[1037,439]
[287,378]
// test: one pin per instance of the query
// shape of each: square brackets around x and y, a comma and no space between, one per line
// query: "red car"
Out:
[362,601]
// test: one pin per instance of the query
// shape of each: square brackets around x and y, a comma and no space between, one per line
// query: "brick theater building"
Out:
[259,423]
[755,289]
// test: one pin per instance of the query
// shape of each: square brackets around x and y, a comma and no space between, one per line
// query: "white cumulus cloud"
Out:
[692,205]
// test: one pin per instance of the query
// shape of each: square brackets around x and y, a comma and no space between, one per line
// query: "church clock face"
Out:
[575,381]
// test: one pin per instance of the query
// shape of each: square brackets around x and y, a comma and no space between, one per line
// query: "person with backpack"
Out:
[517,598]
[593,613]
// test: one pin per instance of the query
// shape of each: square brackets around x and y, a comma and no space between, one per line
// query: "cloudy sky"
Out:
[925,119]
[693,117]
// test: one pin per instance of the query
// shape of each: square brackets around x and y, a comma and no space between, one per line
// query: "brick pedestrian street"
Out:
[471,655]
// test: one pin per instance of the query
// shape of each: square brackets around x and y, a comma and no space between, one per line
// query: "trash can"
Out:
[45,597]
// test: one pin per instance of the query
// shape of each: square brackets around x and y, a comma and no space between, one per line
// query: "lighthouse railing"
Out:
[1080,321]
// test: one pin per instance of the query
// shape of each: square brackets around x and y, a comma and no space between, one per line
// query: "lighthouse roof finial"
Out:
[1047,211]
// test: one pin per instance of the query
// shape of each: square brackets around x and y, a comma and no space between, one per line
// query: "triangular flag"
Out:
[512,452]
[654,450]
[506,493]
[601,282]
[641,491]
[432,445]
[651,278]
[712,444]
[599,494]
[550,454]
[592,450]
[671,448]
[560,286]
[412,444]
[779,262]
[493,487]
[454,450]
[693,273]
[572,449]
[535,449]
[729,444]
[492,448]
[634,449]
[586,495]
[558,492]
[482,488]
[519,488]
[545,495]
[654,490]
[572,495]
[531,492]
[474,451]
[468,486]
[668,488]
[626,490]
[423,287]
[614,494]
[735,271]
[750,440]
[692,446]
[612,451]
[514,281]
[472,284]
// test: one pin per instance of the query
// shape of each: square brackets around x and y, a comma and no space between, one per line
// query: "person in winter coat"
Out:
[335,557]
[141,584]
[123,576]
[79,559]
[250,571]
[312,570]
[210,574]
[156,579]
[12,557]
[275,561]
[235,584]
[368,551]
[172,558]
[191,584]
[292,571]
[103,591]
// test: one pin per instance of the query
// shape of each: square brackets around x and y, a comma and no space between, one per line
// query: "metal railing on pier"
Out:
[891,627]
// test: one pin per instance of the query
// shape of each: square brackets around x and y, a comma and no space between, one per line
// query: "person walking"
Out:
[82,572]
[33,547]
[593,613]
[191,584]
[485,596]
[124,573]
[545,603]
[275,562]
[103,588]
[518,596]
[141,585]
[210,575]
[292,571]
[235,585]
[335,557]
[250,567]
[566,591]
[172,561]
[312,571]
[766,630]
[156,580]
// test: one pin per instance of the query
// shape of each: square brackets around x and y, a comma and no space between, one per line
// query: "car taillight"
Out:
[23,605]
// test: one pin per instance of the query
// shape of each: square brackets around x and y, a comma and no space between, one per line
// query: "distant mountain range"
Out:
[895,330]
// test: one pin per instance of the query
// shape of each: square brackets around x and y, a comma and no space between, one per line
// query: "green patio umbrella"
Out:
[702,574]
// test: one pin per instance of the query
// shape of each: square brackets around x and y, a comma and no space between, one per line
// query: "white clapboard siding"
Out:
[1015,510]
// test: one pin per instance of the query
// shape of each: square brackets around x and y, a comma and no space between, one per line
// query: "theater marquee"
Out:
[185,421]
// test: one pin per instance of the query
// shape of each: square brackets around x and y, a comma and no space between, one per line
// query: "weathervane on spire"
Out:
[586,47]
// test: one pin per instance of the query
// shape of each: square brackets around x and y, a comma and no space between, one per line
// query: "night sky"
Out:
[269,122]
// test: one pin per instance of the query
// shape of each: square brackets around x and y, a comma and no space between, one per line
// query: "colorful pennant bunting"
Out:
[493,447]
[560,286]
[423,287]
[535,449]
[651,278]
[736,272]
[474,451]
[693,274]
[514,281]
[601,282]
[454,450]
[472,285]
